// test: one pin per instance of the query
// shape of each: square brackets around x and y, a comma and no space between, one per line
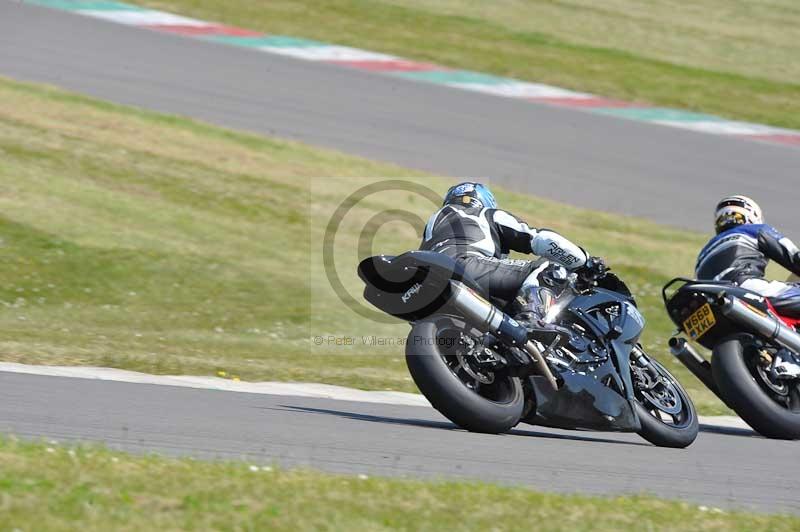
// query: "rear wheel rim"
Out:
[488,385]
[785,394]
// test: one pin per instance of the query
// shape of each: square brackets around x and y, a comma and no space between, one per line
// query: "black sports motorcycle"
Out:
[584,369]
[755,366]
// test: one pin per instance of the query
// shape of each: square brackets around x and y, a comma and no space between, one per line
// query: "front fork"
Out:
[638,355]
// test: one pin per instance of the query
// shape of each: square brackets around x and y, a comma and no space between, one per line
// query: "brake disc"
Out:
[477,375]
[665,397]
[661,393]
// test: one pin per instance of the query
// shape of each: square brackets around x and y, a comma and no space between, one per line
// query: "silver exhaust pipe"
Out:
[764,324]
[486,317]
[694,362]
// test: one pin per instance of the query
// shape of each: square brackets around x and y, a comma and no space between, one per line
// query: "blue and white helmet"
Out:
[473,194]
[736,210]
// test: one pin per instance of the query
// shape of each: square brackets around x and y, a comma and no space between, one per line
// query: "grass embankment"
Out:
[153,243]
[733,58]
[53,488]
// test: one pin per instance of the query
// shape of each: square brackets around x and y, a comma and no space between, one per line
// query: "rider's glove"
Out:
[594,269]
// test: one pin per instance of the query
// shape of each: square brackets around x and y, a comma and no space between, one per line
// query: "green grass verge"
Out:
[142,241]
[49,487]
[733,58]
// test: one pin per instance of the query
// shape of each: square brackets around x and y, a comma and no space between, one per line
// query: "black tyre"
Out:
[470,397]
[666,412]
[772,409]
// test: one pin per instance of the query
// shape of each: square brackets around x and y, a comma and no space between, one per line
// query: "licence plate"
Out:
[700,322]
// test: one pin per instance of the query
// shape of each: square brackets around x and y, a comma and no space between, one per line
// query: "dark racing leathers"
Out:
[479,239]
[741,255]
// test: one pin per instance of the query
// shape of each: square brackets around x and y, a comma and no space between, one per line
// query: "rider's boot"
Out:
[532,302]
[786,365]
[535,295]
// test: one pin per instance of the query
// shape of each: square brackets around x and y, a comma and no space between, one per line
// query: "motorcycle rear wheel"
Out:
[455,390]
[736,379]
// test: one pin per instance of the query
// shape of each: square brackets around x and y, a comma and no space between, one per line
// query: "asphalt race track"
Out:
[727,468]
[669,175]
[672,176]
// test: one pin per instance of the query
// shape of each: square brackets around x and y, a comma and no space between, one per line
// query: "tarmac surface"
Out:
[669,175]
[726,467]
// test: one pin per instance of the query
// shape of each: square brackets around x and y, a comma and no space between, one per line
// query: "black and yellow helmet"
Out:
[736,210]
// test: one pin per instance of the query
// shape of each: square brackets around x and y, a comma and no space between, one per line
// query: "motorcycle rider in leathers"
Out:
[741,250]
[470,228]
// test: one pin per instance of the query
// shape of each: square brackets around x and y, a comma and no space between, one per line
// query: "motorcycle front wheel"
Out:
[458,385]
[666,413]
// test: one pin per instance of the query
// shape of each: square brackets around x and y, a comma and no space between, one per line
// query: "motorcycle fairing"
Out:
[693,294]
[586,401]
[792,320]
[629,320]
[583,402]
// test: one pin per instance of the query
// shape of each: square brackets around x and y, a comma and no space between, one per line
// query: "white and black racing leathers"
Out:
[480,239]
[741,255]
